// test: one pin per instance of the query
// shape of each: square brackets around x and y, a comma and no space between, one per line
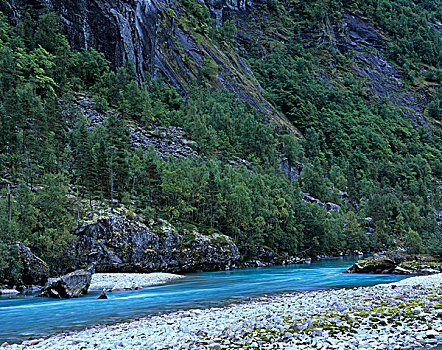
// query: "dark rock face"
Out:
[72,285]
[147,34]
[291,170]
[362,33]
[117,244]
[398,263]
[351,35]
[35,270]
[222,9]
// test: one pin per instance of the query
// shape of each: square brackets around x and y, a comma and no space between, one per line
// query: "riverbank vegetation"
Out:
[363,155]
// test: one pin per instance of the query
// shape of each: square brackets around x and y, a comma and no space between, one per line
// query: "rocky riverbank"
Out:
[403,315]
[398,263]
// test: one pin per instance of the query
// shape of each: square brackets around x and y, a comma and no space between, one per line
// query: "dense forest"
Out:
[381,167]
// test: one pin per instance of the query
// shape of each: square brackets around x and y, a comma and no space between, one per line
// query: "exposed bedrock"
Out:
[118,244]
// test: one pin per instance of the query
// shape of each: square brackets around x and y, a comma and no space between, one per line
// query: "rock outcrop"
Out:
[72,285]
[35,271]
[168,142]
[121,244]
[328,207]
[293,171]
[355,38]
[397,263]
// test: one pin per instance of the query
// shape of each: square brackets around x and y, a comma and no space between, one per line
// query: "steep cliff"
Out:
[348,34]
[167,39]
[172,40]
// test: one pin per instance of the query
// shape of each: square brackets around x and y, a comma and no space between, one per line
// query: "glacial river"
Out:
[28,317]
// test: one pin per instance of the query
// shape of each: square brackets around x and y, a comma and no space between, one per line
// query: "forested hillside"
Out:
[331,142]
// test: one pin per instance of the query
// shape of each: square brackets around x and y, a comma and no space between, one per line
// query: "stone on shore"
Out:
[72,285]
[102,295]
[373,265]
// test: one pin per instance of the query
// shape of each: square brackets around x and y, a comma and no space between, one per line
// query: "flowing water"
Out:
[28,316]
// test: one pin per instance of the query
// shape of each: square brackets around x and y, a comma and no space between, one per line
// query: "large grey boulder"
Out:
[375,264]
[397,262]
[124,244]
[35,270]
[72,285]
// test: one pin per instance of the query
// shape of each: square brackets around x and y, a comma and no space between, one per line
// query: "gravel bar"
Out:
[402,315]
[124,281]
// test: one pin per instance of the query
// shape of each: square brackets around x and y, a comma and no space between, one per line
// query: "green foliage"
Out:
[291,148]
[413,242]
[414,38]
[157,104]
[40,220]
[89,66]
[209,69]
[50,37]
[55,219]
[212,195]
[199,19]
[117,153]
[368,150]
[10,266]
[313,183]
[226,33]
[226,127]
[435,108]
[358,153]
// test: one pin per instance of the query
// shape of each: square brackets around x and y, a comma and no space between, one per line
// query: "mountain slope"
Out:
[162,39]
[364,175]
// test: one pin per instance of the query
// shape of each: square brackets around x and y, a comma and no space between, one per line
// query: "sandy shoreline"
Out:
[402,315]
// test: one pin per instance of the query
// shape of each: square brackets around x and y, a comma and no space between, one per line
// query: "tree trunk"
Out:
[9,205]
[133,185]
[30,174]
[150,193]
[112,181]
[211,218]
[58,156]
[78,207]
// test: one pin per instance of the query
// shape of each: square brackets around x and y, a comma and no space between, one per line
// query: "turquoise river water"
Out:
[29,317]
